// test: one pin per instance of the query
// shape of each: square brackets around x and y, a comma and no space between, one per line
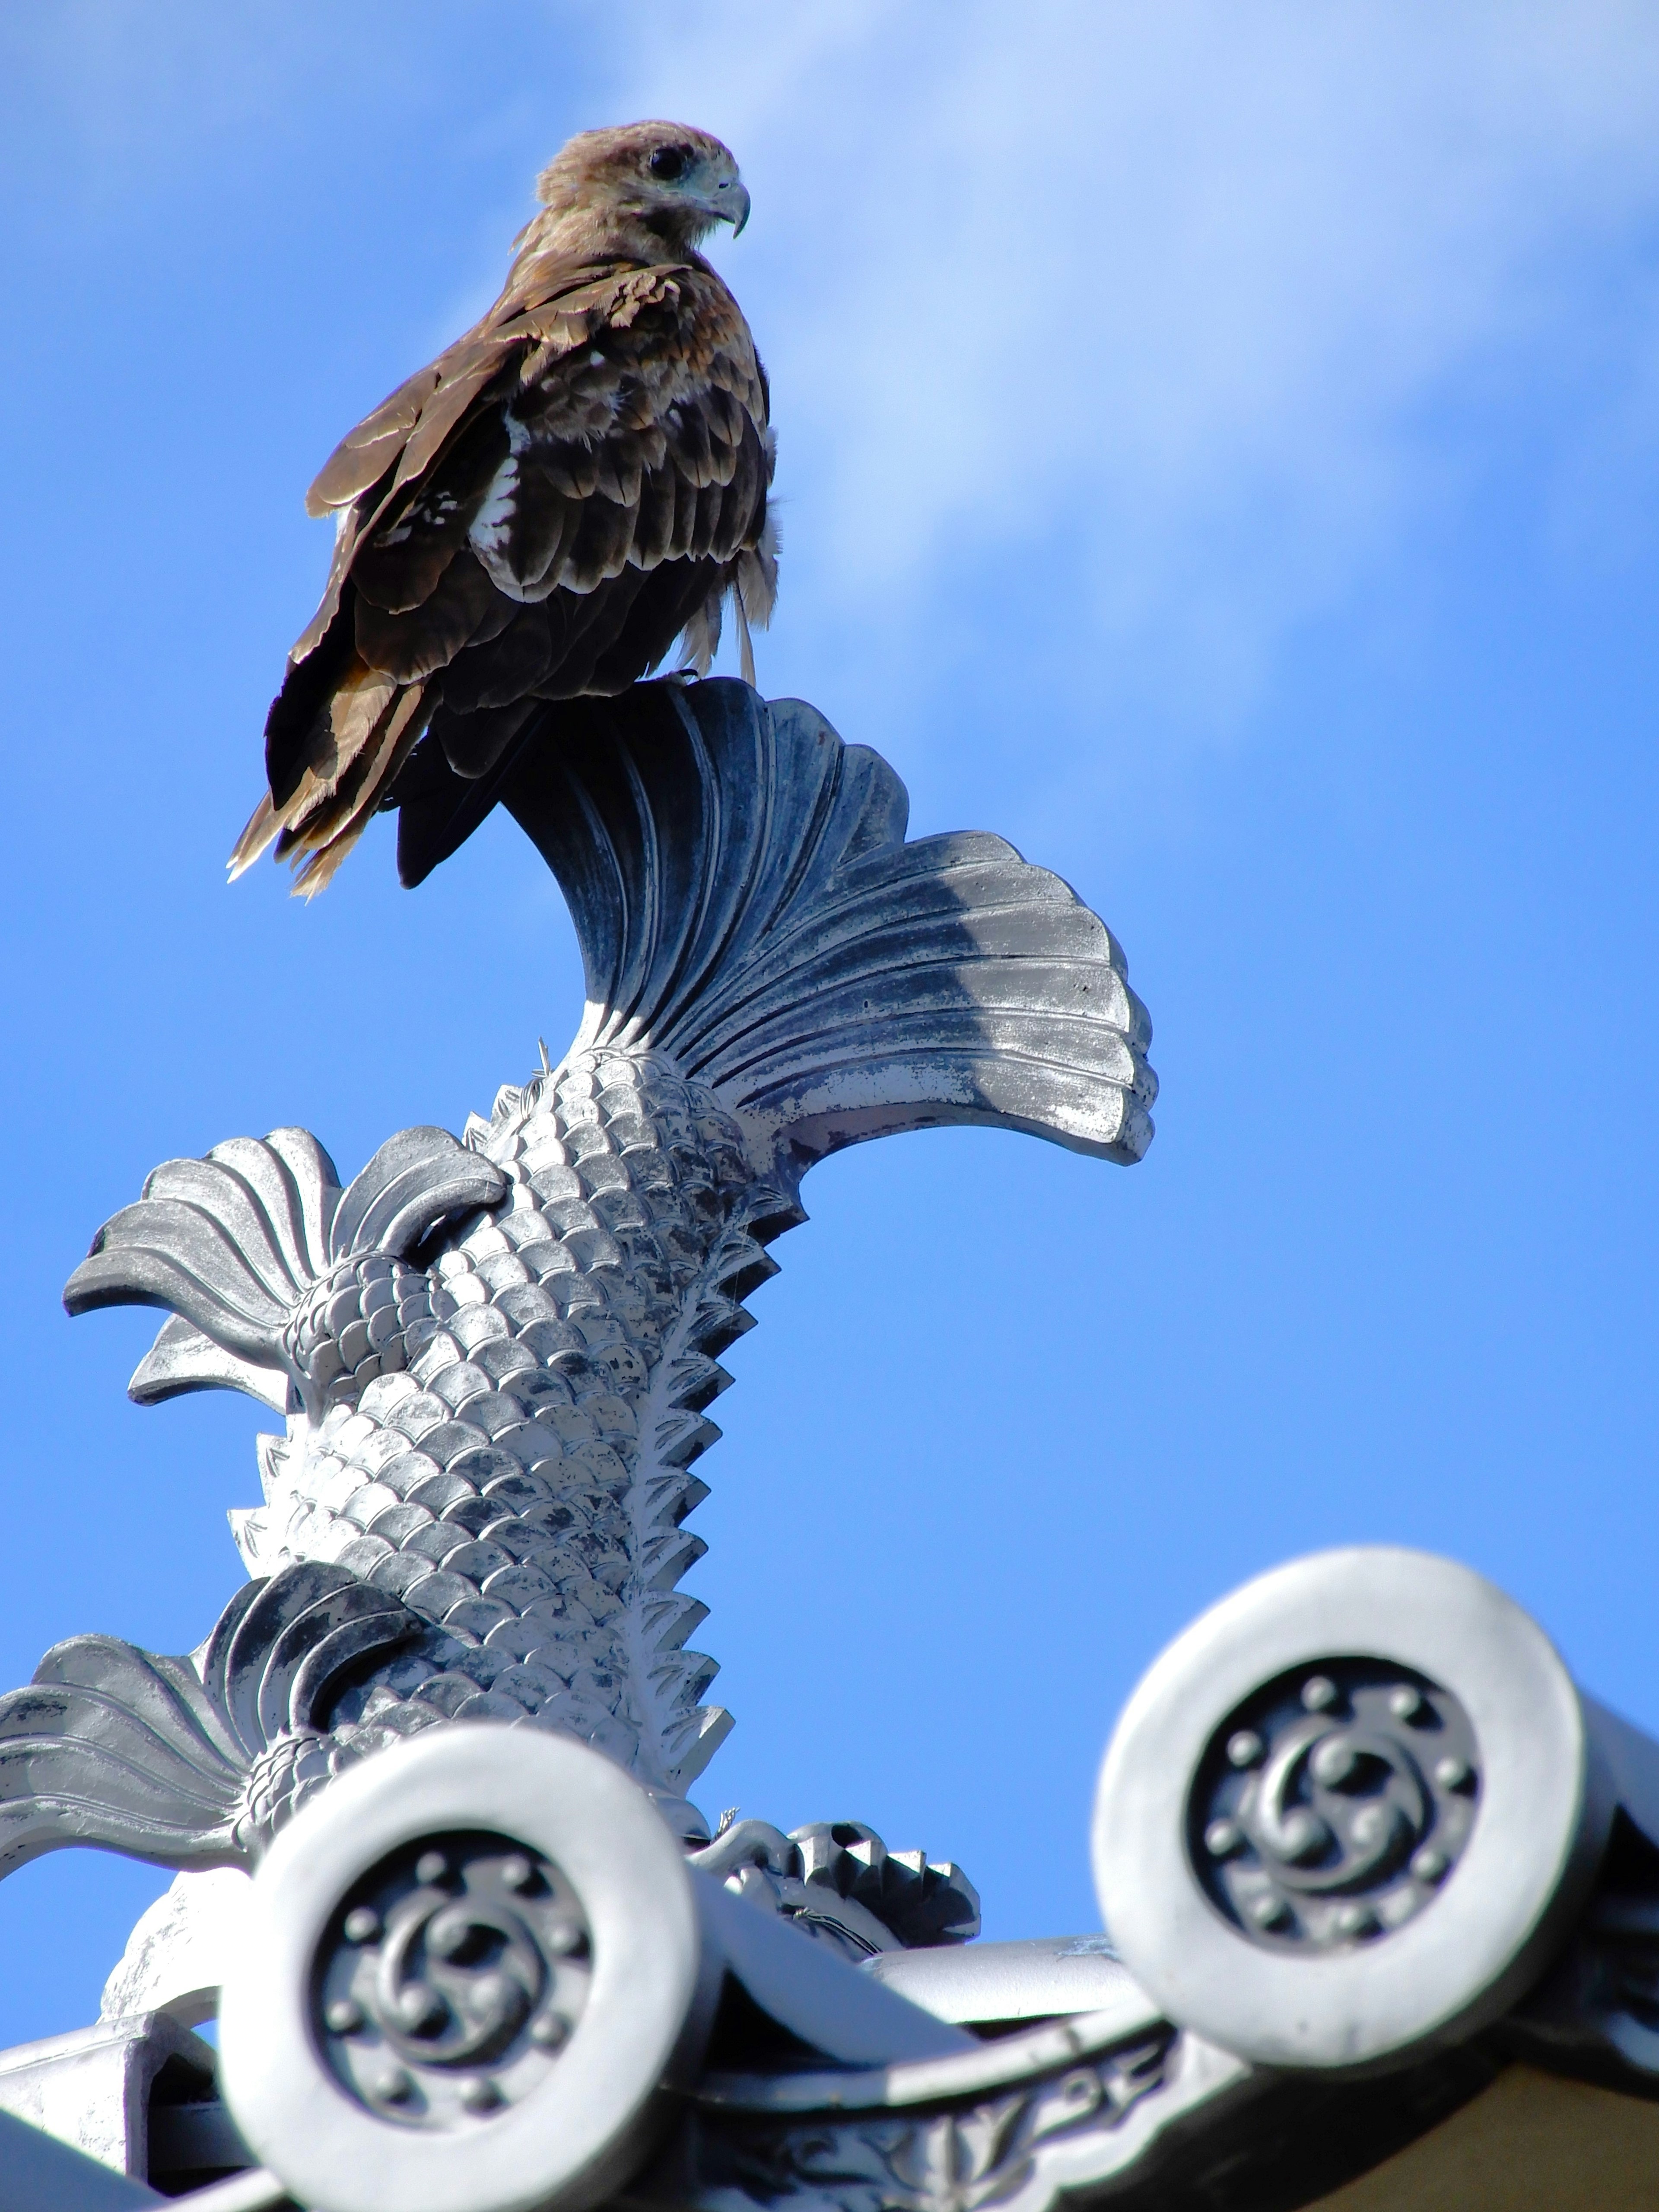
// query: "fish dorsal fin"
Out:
[747,904]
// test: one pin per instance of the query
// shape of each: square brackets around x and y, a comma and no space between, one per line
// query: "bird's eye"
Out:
[668,163]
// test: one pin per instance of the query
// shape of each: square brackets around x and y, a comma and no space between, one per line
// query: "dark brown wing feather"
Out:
[536,517]
[439,810]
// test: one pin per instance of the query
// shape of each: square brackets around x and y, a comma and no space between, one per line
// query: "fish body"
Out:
[512,1462]
[495,1353]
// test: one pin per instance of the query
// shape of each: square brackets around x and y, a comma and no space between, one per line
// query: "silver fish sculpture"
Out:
[495,1354]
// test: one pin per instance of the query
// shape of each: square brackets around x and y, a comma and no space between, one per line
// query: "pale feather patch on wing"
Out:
[492,526]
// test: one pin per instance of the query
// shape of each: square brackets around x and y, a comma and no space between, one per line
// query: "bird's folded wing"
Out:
[569,487]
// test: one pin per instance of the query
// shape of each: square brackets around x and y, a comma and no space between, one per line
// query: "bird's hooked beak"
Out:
[730,203]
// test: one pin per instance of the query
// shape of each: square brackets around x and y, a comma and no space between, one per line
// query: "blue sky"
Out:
[1220,451]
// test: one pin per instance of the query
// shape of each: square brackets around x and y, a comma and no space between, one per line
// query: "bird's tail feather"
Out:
[263,825]
[366,734]
[439,809]
[319,840]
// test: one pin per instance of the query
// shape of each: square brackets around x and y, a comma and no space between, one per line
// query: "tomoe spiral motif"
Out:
[452,1977]
[1331,1806]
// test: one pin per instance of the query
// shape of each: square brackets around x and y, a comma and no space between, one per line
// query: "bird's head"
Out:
[673,181]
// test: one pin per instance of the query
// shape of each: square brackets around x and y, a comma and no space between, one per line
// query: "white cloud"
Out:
[1157,297]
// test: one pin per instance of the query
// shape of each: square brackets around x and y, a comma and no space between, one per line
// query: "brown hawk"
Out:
[535,518]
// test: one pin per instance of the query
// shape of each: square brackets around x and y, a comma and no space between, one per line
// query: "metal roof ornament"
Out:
[495,1354]
[1367,1854]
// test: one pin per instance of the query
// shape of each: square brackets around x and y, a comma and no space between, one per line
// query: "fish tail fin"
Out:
[190,1761]
[747,904]
[230,1244]
[234,1245]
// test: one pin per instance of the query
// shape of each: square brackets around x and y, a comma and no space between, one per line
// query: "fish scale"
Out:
[498,1482]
